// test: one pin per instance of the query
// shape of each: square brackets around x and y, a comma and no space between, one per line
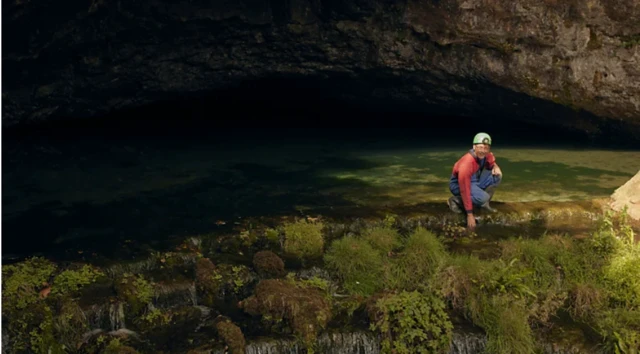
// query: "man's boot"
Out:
[490,190]
[455,204]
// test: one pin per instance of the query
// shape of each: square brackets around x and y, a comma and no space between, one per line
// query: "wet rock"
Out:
[159,265]
[208,281]
[169,329]
[223,283]
[178,293]
[548,61]
[305,309]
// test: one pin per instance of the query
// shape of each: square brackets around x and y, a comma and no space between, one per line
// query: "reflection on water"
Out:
[94,191]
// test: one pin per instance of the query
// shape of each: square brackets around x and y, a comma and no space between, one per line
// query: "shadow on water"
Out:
[155,219]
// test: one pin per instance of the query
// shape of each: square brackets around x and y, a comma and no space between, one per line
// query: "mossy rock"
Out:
[304,239]
[222,282]
[268,265]
[231,335]
[305,309]
[208,281]
[135,291]
[40,307]
[169,329]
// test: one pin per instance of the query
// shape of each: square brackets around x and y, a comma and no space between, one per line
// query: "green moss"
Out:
[21,282]
[630,41]
[208,281]
[155,317]
[29,320]
[268,264]
[420,260]
[162,327]
[73,280]
[411,322]
[316,282]
[357,264]
[304,239]
[136,291]
[384,239]
[231,335]
[116,347]
[272,235]
[305,309]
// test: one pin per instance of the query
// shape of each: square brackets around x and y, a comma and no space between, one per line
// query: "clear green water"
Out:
[61,194]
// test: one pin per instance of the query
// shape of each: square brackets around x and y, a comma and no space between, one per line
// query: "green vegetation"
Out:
[630,41]
[417,264]
[304,239]
[411,322]
[384,239]
[39,301]
[357,263]
[406,283]
[596,280]
[135,291]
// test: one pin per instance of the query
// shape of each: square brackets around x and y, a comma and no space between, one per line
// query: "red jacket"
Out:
[464,169]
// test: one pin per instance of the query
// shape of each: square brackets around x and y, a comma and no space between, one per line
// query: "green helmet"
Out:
[482,138]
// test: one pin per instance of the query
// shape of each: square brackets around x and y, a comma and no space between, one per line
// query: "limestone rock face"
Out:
[628,195]
[573,63]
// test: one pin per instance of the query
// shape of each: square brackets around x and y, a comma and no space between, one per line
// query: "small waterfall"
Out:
[349,343]
[369,343]
[205,313]
[116,316]
[175,294]
[108,316]
[467,343]
[5,341]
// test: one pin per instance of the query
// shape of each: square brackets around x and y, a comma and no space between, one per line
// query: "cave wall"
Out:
[568,63]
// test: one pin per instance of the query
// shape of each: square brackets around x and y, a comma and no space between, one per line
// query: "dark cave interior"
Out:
[300,108]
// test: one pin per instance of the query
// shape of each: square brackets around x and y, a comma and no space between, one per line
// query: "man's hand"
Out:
[471,222]
[496,171]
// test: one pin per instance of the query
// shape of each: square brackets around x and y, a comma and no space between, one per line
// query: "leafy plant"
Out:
[411,322]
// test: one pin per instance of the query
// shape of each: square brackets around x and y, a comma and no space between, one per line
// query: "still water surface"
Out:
[97,192]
